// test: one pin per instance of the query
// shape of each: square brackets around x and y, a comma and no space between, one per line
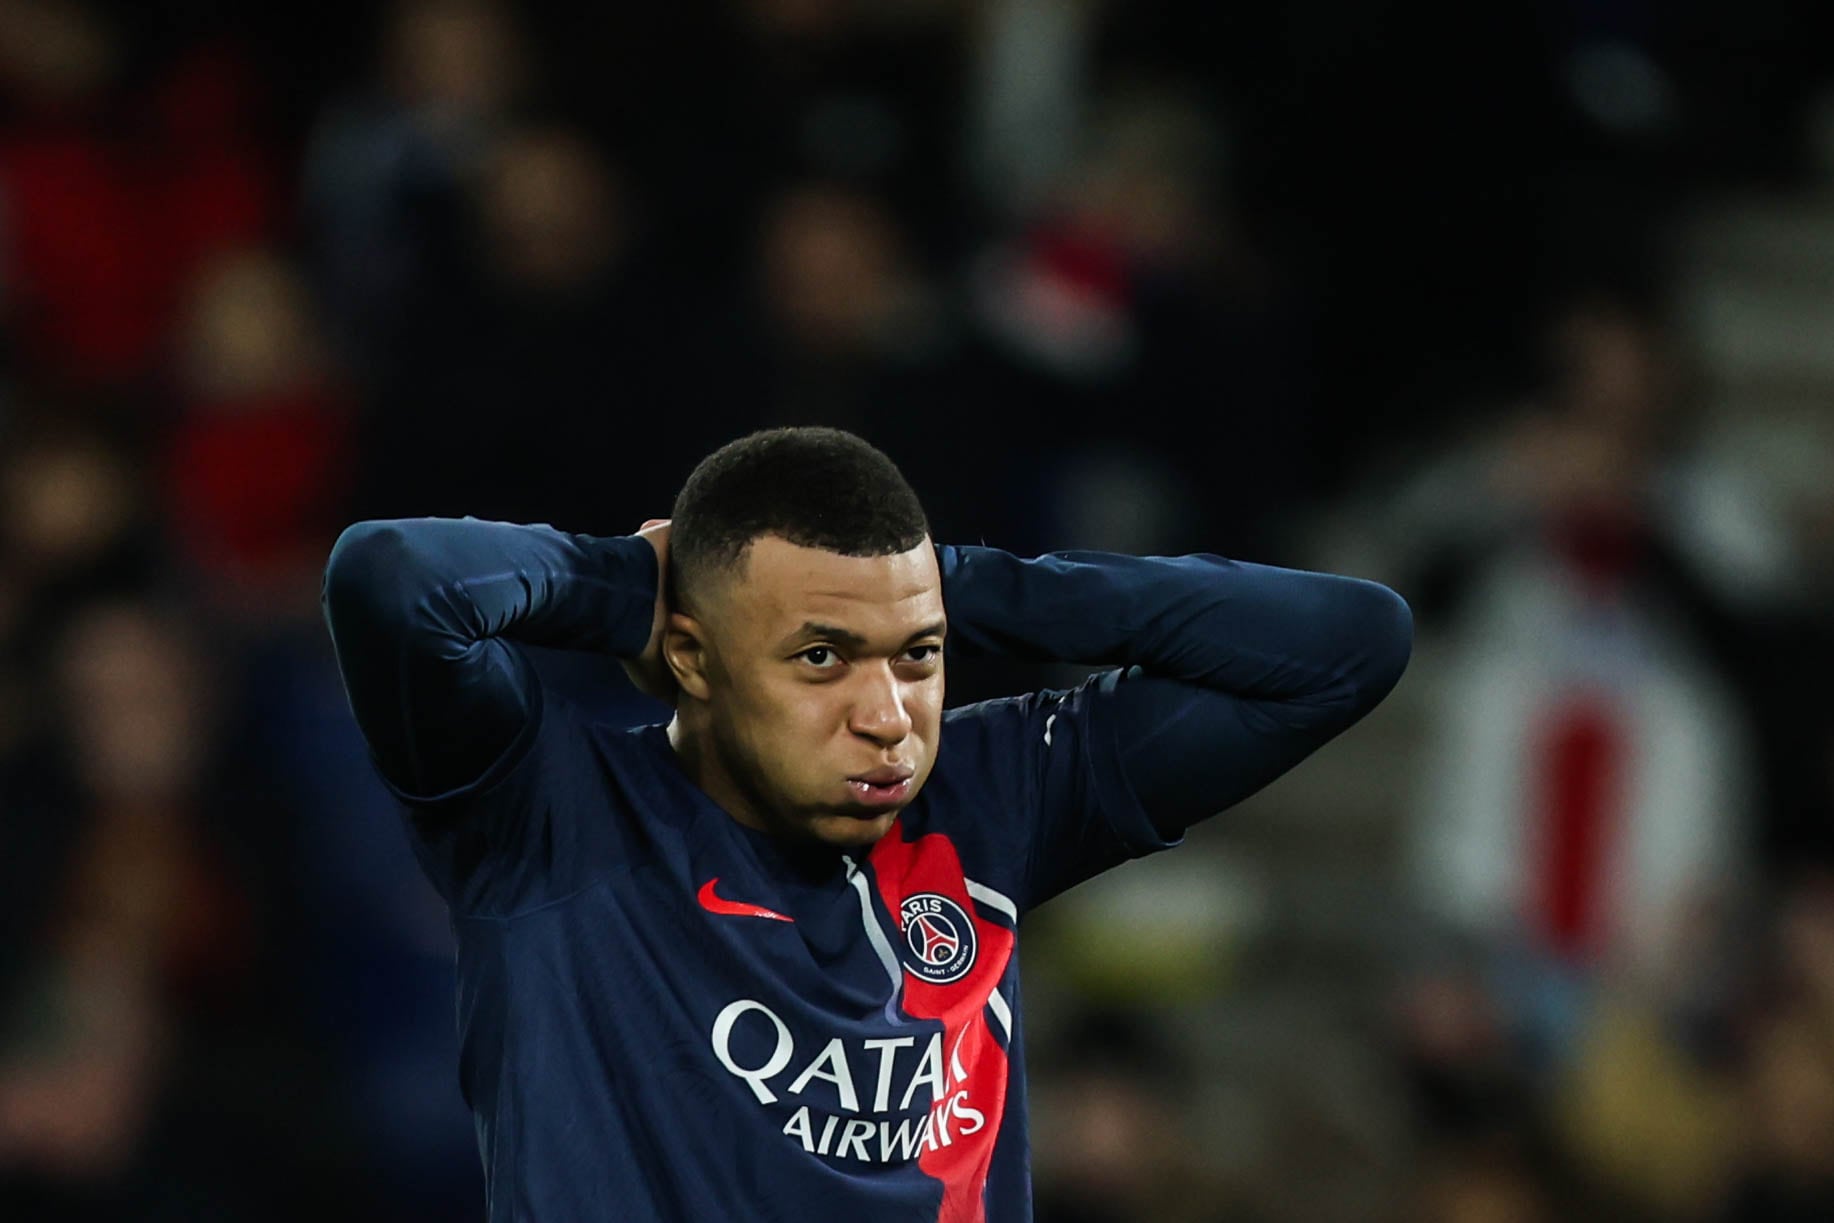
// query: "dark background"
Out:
[1524,308]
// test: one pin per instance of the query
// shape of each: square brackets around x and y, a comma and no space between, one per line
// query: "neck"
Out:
[691,737]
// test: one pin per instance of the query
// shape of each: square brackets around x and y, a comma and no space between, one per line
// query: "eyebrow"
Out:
[811,631]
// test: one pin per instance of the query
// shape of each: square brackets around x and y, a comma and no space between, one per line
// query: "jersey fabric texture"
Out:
[631,1054]
[666,1015]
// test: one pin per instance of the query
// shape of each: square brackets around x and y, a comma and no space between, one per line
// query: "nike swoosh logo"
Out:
[733,908]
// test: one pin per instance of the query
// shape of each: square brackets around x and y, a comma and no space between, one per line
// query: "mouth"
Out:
[882,788]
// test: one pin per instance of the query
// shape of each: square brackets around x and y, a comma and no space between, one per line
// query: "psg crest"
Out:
[938,938]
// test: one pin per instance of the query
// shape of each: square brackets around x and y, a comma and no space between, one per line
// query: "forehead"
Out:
[784,585]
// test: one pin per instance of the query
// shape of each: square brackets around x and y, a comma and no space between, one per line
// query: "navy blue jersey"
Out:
[667,1015]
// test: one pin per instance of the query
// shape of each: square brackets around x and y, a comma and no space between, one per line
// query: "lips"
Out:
[882,788]
[884,777]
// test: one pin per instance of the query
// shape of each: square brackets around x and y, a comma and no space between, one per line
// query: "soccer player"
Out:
[758,963]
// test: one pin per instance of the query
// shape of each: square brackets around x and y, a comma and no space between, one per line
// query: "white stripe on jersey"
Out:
[992,899]
[1001,1011]
[874,934]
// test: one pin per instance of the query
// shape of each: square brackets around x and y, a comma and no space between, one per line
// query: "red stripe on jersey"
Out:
[960,1161]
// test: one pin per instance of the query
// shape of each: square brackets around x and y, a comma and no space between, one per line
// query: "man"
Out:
[758,963]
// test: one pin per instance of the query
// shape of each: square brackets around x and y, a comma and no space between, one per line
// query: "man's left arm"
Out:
[1228,673]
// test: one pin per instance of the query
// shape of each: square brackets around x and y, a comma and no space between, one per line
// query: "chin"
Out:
[851,832]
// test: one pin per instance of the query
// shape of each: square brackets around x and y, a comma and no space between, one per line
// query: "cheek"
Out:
[925,707]
[791,710]
[789,726]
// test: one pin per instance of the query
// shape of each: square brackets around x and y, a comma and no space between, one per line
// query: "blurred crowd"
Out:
[1385,288]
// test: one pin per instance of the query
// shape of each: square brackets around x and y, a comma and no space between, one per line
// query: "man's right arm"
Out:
[425,612]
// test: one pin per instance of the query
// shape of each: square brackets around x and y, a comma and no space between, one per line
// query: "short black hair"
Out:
[813,486]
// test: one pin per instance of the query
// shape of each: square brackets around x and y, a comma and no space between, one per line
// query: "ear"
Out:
[685,648]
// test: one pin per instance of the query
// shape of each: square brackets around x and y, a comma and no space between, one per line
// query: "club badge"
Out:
[938,938]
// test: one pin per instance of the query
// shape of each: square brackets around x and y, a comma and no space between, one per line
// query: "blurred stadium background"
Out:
[1525,308]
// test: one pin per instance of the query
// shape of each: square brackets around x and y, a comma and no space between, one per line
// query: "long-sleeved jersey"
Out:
[666,1015]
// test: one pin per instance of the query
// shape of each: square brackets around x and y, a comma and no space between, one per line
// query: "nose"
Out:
[878,711]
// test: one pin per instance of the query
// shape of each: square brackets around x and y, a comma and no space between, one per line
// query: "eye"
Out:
[821,657]
[923,653]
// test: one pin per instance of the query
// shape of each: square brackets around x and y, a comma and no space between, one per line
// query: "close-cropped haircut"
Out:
[811,486]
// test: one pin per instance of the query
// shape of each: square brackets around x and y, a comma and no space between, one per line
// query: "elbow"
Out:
[1386,627]
[366,564]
